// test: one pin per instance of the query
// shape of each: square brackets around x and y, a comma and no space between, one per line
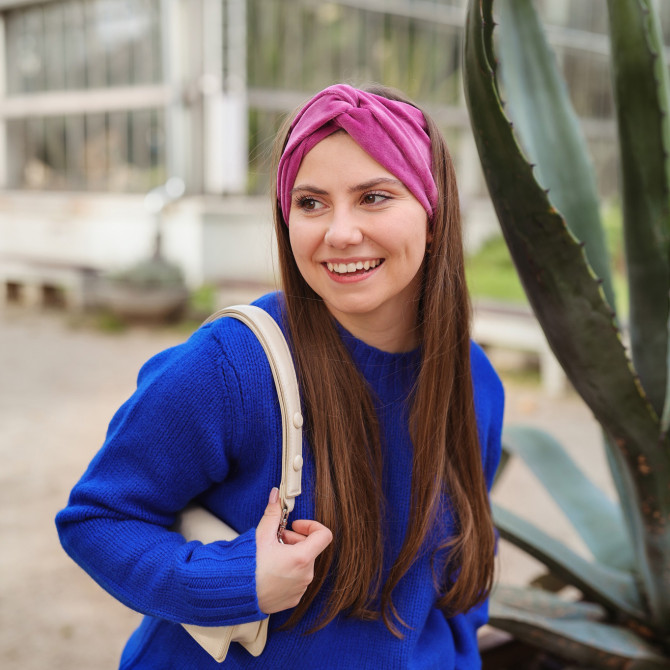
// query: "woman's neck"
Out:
[393,332]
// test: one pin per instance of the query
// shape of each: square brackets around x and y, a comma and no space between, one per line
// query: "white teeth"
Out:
[344,268]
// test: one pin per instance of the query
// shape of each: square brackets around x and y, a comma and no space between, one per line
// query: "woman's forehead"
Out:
[340,150]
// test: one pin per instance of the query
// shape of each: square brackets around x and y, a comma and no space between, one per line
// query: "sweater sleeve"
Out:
[166,445]
[489,407]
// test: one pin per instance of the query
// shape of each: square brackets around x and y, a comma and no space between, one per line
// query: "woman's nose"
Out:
[343,230]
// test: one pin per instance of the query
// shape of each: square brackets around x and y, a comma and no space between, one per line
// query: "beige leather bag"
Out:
[196,523]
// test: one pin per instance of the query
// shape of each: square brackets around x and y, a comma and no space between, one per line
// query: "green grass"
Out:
[492,275]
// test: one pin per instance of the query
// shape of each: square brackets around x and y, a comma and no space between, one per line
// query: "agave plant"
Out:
[542,185]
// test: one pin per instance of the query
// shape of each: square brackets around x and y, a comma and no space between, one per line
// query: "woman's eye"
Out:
[309,204]
[374,198]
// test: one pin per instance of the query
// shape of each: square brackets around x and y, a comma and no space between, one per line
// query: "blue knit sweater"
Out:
[204,422]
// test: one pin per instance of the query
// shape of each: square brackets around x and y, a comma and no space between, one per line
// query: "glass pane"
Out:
[55,152]
[119,152]
[75,142]
[95,152]
[16,147]
[35,170]
[263,128]
[54,48]
[145,42]
[25,57]
[83,44]
[146,149]
[606,162]
[120,174]
[74,43]
[304,46]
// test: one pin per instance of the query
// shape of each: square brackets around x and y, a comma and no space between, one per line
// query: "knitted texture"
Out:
[205,423]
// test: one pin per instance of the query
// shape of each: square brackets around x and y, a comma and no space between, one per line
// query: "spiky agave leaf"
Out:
[569,304]
[597,520]
[545,121]
[536,100]
[614,589]
[640,77]
[573,631]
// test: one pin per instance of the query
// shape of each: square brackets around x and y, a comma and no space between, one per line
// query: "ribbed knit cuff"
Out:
[218,583]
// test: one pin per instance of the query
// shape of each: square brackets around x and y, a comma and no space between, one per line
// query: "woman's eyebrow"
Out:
[309,189]
[372,183]
[356,188]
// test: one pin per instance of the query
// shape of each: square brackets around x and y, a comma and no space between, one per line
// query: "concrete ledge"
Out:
[503,326]
[37,283]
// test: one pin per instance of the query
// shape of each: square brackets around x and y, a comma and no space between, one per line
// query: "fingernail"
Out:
[274,495]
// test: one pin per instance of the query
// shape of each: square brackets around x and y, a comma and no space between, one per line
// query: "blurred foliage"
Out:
[150,273]
[491,273]
[203,301]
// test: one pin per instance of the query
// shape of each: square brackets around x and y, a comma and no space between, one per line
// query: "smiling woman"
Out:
[402,422]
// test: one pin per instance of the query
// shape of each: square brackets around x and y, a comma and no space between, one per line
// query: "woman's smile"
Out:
[352,270]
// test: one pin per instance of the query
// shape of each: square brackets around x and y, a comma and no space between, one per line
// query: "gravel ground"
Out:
[59,387]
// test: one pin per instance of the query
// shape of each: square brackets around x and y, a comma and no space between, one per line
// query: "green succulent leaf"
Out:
[537,101]
[597,520]
[502,466]
[642,96]
[563,291]
[665,418]
[574,637]
[568,302]
[545,604]
[614,589]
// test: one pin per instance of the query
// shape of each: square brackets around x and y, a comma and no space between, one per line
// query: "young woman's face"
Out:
[359,238]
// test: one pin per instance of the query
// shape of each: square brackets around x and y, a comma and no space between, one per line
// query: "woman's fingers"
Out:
[267,527]
[291,537]
[284,571]
[316,535]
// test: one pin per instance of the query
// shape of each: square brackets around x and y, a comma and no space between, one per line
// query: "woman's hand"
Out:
[284,571]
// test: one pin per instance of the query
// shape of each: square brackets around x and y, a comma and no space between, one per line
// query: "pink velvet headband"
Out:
[392,132]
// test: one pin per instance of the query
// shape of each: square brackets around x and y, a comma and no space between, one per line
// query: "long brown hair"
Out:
[339,413]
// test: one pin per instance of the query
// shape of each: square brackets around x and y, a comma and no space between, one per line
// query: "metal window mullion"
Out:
[87,101]
[96,74]
[118,130]
[177,137]
[54,50]
[75,143]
